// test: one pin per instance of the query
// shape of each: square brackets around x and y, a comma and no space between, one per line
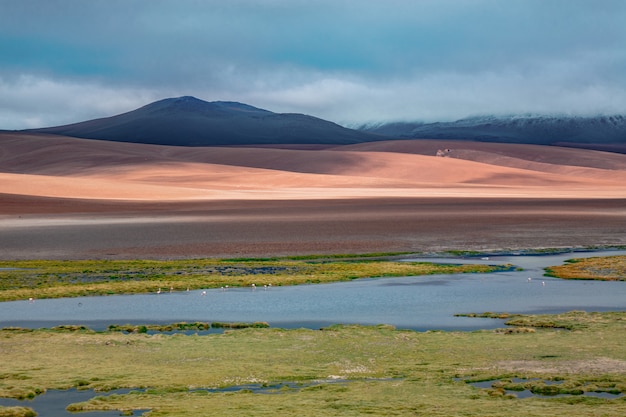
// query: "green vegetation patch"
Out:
[52,279]
[343,370]
[572,320]
[606,268]
[17,412]
[560,386]
[183,326]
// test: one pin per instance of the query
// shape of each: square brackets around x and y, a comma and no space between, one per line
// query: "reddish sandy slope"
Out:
[77,168]
[77,198]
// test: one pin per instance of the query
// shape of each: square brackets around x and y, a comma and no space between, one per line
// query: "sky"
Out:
[348,61]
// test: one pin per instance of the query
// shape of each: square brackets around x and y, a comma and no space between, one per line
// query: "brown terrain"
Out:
[67,198]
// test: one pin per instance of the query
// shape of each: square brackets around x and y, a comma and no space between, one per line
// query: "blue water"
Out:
[527,393]
[419,303]
[53,403]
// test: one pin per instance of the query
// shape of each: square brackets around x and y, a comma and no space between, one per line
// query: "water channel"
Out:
[53,403]
[417,303]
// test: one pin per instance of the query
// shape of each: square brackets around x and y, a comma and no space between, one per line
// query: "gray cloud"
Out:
[347,61]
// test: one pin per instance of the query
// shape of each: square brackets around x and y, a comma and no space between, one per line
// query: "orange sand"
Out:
[396,195]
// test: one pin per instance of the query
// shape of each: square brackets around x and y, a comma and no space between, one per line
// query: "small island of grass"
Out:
[605,268]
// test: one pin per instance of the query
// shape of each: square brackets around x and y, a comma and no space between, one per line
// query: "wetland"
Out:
[374,363]
[410,293]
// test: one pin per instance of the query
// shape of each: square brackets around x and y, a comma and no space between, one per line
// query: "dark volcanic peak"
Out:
[194,105]
[607,131]
[188,121]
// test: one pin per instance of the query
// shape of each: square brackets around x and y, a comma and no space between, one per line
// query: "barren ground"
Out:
[64,198]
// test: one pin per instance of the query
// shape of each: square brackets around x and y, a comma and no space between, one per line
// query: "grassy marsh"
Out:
[342,370]
[606,268]
[53,279]
[383,371]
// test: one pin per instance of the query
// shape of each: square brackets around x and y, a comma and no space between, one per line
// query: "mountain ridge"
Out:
[189,121]
[579,131]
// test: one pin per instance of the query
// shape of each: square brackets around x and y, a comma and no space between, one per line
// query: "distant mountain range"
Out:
[188,121]
[599,132]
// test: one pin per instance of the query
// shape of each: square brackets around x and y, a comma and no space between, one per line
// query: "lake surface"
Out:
[53,403]
[418,303]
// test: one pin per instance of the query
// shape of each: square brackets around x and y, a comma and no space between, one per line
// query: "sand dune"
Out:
[75,198]
[77,168]
[518,155]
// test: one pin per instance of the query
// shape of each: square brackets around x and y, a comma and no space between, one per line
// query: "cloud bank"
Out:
[347,61]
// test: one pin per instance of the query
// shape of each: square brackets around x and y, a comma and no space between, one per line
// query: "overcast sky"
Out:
[348,61]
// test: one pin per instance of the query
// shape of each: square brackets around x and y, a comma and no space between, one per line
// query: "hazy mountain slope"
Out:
[188,121]
[605,132]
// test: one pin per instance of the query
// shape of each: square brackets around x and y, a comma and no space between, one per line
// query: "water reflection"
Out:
[53,403]
[418,303]
[533,387]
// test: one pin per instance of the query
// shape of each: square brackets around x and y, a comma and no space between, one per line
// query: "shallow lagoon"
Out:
[53,403]
[418,303]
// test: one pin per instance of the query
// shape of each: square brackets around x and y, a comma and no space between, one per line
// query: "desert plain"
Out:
[69,198]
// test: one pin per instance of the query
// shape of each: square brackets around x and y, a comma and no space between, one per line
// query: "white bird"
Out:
[253,287]
[529,279]
[159,291]
[203,293]
[543,283]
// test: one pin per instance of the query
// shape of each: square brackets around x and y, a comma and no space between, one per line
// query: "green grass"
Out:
[573,320]
[52,279]
[381,370]
[606,268]
[174,327]
[16,412]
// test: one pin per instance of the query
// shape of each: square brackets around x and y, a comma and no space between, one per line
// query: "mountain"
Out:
[599,132]
[188,121]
